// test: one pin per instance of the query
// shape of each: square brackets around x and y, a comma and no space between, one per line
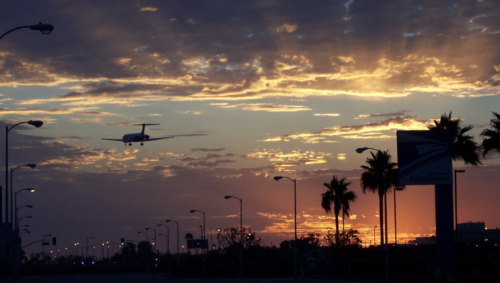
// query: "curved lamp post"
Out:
[241,232]
[141,232]
[156,250]
[43,28]
[28,206]
[168,237]
[31,190]
[12,169]
[36,124]
[177,233]
[193,211]
[295,247]
[87,247]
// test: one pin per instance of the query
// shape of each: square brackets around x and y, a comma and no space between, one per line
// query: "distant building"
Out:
[474,232]
[470,232]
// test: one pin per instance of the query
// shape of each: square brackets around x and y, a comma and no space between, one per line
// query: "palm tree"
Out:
[463,146]
[338,195]
[380,176]
[491,137]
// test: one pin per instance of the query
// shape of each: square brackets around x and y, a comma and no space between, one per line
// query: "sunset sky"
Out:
[258,89]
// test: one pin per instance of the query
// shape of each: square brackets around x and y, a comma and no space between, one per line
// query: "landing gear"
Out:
[142,143]
[130,144]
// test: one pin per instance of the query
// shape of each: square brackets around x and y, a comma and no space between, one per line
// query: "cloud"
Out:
[327,114]
[372,130]
[149,9]
[208,149]
[289,28]
[267,107]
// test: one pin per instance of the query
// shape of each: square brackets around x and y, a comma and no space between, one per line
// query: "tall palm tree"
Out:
[339,195]
[491,137]
[380,177]
[463,146]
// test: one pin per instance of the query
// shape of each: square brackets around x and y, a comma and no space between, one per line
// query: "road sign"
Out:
[424,157]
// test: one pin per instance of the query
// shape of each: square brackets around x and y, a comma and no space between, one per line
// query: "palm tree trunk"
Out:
[381,215]
[385,218]
[343,221]
[337,237]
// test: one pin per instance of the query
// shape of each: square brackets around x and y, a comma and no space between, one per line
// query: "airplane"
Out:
[138,137]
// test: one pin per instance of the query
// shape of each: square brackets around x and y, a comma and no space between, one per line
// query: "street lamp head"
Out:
[43,28]
[158,225]
[276,178]
[37,123]
[460,171]
[361,149]
[31,190]
[31,165]
[228,197]
[29,206]
[192,211]
[168,221]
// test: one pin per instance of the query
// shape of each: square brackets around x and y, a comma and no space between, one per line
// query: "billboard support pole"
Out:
[444,228]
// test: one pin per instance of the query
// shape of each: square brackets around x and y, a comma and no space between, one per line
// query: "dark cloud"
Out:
[208,149]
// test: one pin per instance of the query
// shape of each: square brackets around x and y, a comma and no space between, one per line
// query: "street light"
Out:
[43,28]
[142,232]
[193,211]
[156,250]
[168,237]
[36,124]
[87,247]
[295,248]
[241,232]
[177,233]
[19,220]
[31,190]
[395,222]
[456,206]
[30,165]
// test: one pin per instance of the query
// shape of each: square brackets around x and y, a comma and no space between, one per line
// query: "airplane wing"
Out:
[154,139]
[121,140]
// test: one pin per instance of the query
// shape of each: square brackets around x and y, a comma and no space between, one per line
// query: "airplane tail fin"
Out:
[144,126]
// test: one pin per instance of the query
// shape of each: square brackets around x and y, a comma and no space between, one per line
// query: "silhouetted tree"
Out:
[380,176]
[350,237]
[491,137]
[463,146]
[338,195]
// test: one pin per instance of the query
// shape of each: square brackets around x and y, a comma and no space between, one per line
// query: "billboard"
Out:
[424,157]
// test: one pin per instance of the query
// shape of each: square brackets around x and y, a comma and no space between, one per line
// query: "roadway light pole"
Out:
[395,222]
[16,220]
[36,124]
[456,206]
[241,232]
[167,251]
[295,247]
[156,250]
[30,165]
[43,28]
[87,247]
[43,242]
[205,253]
[178,253]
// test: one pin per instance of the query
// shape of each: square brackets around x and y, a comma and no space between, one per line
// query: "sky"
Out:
[253,90]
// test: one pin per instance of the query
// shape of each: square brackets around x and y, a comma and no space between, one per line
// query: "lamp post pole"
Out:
[37,124]
[16,220]
[374,236]
[295,247]
[156,244]
[32,166]
[178,254]
[241,232]
[395,222]
[456,206]
[167,251]
[205,253]
[87,247]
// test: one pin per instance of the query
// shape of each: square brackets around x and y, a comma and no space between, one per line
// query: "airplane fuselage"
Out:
[137,137]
